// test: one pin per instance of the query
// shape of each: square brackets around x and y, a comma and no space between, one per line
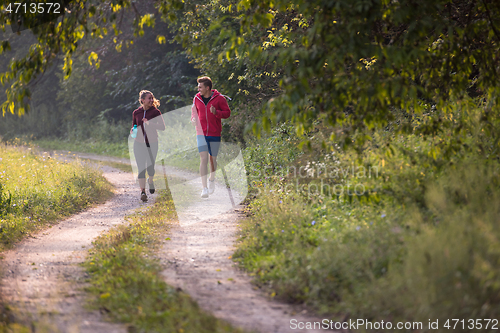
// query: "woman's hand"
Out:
[145,121]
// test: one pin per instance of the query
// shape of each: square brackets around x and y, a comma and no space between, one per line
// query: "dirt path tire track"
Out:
[197,260]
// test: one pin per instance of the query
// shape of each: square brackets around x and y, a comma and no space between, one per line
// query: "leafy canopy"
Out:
[348,61]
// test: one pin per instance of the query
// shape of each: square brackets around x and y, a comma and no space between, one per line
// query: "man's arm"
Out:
[194,114]
[223,110]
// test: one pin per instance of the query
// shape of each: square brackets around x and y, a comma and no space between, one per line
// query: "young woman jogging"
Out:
[148,120]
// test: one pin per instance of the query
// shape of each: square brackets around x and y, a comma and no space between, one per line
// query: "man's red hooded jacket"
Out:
[207,123]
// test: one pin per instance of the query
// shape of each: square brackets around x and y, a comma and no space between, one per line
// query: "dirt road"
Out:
[42,276]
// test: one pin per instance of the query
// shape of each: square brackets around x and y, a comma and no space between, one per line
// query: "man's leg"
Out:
[213,149]
[203,167]
[213,167]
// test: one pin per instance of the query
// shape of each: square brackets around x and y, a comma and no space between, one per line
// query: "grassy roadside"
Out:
[125,277]
[117,149]
[415,239]
[35,192]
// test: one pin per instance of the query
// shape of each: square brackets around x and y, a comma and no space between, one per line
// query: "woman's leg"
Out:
[151,158]
[139,153]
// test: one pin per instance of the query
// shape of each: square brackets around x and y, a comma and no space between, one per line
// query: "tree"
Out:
[350,62]
[62,37]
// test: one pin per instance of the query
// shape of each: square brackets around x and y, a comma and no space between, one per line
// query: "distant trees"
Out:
[107,72]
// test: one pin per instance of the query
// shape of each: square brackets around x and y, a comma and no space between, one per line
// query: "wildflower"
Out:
[14,205]
[358,227]
[383,215]
[371,223]
[313,222]
[281,201]
[282,230]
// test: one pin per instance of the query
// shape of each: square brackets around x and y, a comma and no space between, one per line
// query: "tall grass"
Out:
[36,189]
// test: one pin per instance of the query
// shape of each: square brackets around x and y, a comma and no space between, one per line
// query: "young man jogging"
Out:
[209,107]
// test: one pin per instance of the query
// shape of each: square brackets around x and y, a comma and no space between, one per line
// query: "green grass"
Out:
[117,149]
[37,190]
[126,282]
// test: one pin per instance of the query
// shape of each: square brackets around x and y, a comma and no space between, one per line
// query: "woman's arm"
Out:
[134,122]
[157,122]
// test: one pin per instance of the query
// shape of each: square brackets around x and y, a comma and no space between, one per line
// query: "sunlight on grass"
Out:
[36,188]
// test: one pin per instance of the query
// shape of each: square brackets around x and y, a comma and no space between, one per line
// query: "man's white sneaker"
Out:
[204,193]
[211,186]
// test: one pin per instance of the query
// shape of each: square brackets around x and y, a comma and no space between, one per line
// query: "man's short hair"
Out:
[206,81]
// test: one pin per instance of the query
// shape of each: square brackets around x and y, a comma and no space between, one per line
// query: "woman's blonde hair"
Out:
[142,95]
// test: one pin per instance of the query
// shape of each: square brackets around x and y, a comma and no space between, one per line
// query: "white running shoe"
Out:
[211,186]
[204,193]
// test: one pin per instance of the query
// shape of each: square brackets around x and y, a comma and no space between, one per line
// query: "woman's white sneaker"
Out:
[204,193]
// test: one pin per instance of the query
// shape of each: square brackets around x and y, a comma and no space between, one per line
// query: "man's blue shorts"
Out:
[208,143]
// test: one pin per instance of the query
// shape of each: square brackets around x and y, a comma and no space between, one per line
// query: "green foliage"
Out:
[268,158]
[348,62]
[95,103]
[119,149]
[120,62]
[127,283]
[418,240]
